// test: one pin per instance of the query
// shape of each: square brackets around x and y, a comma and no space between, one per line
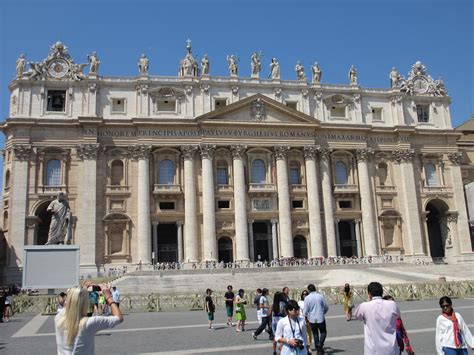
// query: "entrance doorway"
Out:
[225,250]
[347,238]
[436,223]
[300,247]
[167,243]
[42,230]
[262,238]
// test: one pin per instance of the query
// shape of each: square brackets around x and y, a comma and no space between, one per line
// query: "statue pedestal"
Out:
[50,266]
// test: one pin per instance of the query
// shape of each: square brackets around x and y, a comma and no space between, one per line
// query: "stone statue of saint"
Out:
[205,65]
[352,75]
[256,64]
[299,69]
[60,231]
[20,65]
[274,69]
[317,73]
[394,78]
[94,63]
[143,65]
[233,67]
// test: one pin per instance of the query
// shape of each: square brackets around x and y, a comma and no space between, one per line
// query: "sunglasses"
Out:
[445,306]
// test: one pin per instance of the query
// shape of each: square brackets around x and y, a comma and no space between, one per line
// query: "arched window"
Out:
[259,173]
[116,172]
[295,176]
[7,178]
[166,172]
[53,173]
[382,173]
[222,173]
[341,173]
[431,176]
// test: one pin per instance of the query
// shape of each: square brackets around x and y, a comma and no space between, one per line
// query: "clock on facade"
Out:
[420,85]
[58,68]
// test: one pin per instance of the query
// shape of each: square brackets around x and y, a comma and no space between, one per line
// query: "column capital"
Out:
[403,155]
[139,151]
[250,221]
[364,154]
[310,152]
[87,151]
[188,151]
[281,151]
[238,151]
[155,223]
[22,151]
[207,150]
[274,221]
[179,223]
[455,158]
[325,152]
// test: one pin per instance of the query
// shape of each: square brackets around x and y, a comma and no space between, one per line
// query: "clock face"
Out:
[420,85]
[58,68]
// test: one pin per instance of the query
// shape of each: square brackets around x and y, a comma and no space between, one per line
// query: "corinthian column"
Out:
[328,201]
[284,212]
[19,187]
[141,152]
[366,201]
[190,217]
[314,208]
[240,204]
[208,204]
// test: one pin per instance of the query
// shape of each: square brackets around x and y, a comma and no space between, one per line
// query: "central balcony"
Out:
[261,188]
[346,189]
[166,189]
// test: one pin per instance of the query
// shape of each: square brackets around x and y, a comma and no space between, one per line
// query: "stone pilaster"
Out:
[179,225]
[208,203]
[154,226]
[190,213]
[274,239]
[328,201]
[284,211]
[18,193]
[409,196]
[314,208]
[240,204]
[251,241]
[367,201]
[141,153]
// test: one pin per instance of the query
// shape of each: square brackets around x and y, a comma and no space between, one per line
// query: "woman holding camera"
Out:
[291,331]
[75,332]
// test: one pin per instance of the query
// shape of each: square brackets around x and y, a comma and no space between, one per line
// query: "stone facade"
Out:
[198,167]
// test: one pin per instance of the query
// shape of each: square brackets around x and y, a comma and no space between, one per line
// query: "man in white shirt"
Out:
[380,319]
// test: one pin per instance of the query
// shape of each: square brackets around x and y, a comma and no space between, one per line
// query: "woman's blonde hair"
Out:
[74,316]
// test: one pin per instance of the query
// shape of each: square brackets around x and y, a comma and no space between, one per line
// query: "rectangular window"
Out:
[118,105]
[345,204]
[376,114]
[223,204]
[338,112]
[423,113]
[222,177]
[56,101]
[292,104]
[167,105]
[166,205]
[297,203]
[295,176]
[219,102]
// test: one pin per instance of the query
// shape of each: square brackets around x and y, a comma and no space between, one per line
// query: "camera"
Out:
[299,344]
[96,288]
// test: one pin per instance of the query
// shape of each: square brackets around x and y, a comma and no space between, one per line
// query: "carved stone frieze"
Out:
[281,151]
[188,151]
[396,99]
[403,155]
[188,89]
[235,89]
[238,151]
[318,95]
[87,151]
[310,152]
[142,88]
[455,158]
[258,110]
[139,151]
[205,88]
[207,150]
[277,92]
[420,83]
[356,98]
[21,151]
[304,93]
[364,154]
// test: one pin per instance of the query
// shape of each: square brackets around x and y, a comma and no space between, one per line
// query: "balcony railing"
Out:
[166,189]
[116,189]
[224,188]
[436,189]
[261,187]
[345,189]
[298,188]
[51,190]
[386,189]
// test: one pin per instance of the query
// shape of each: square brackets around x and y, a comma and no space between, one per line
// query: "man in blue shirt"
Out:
[315,307]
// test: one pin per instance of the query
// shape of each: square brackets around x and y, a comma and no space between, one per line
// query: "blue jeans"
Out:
[453,351]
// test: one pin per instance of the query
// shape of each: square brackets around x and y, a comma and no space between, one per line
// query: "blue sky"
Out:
[372,35]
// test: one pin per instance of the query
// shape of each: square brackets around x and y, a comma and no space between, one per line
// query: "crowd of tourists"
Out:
[293,325]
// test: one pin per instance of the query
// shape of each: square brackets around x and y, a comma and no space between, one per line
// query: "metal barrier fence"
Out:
[155,302]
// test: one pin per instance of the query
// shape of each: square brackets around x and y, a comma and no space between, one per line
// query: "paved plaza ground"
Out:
[186,332]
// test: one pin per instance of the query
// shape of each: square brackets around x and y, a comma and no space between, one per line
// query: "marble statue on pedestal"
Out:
[255,64]
[317,73]
[20,65]
[60,231]
[205,65]
[233,67]
[143,64]
[274,69]
[394,78]
[94,63]
[299,69]
[352,75]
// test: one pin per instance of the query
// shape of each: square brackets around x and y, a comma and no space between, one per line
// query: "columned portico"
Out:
[240,204]
[328,202]
[208,204]
[314,208]
[367,201]
[284,211]
[190,217]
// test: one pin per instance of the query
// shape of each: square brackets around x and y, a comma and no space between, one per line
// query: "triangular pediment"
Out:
[258,109]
